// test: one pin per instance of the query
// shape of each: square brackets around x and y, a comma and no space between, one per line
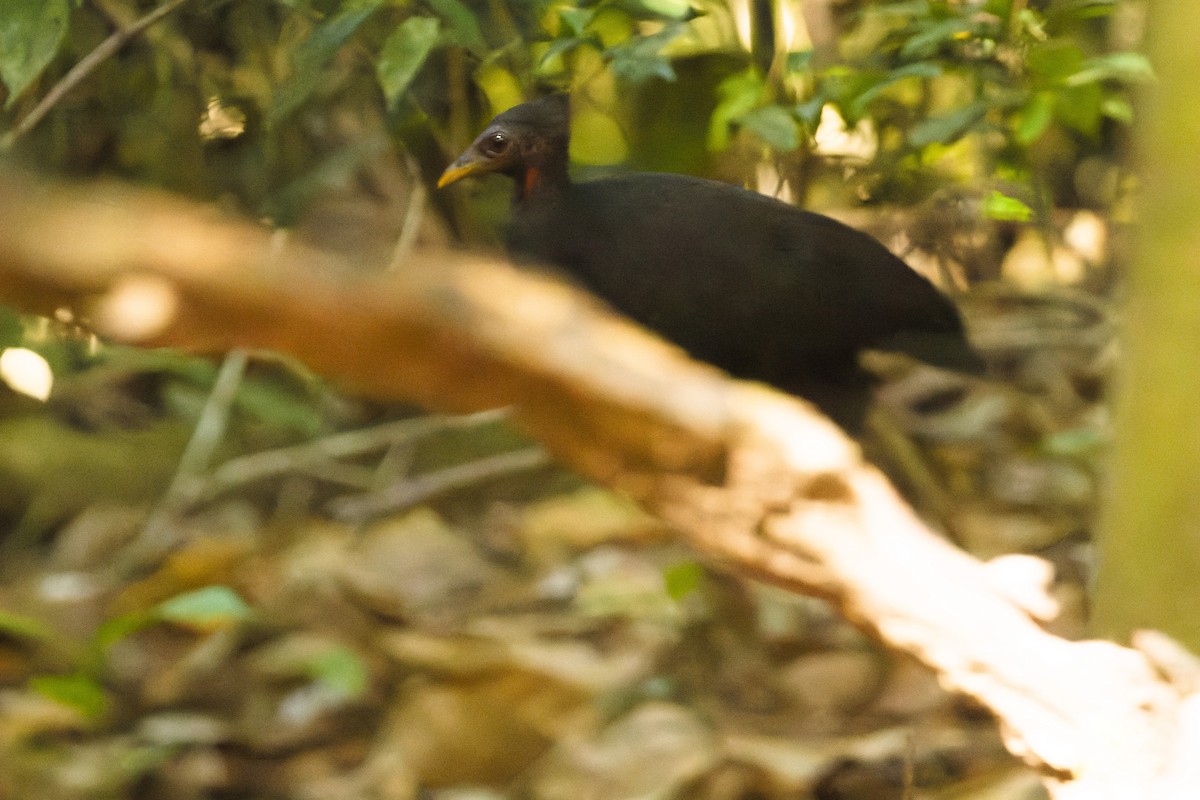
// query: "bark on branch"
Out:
[751,478]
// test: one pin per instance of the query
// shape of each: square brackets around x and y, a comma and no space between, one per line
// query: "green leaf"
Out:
[1055,60]
[739,95]
[20,626]
[31,32]
[843,85]
[79,692]
[1123,67]
[560,47]
[208,608]
[1079,107]
[637,68]
[683,578]
[341,669]
[1118,108]
[499,86]
[1002,207]
[775,126]
[1067,11]
[930,40]
[576,19]
[809,112]
[1033,23]
[920,69]
[403,53]
[611,26]
[597,139]
[800,61]
[12,329]
[1035,117]
[946,128]
[114,630]
[462,26]
[661,9]
[1074,443]
[313,54]
[904,8]
[640,58]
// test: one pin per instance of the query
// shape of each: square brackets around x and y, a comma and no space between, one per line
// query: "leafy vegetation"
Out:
[962,89]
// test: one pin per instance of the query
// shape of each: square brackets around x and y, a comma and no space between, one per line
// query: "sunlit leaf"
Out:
[576,19]
[1002,207]
[612,26]
[1074,443]
[1118,108]
[775,126]
[22,627]
[79,692]
[664,9]
[1055,60]
[1124,67]
[313,54]
[739,95]
[499,85]
[403,53]
[341,669]
[1033,23]
[1035,117]
[596,139]
[561,47]
[1079,107]
[209,608]
[31,32]
[683,578]
[26,372]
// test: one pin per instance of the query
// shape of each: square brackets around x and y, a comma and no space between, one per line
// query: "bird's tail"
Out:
[945,349]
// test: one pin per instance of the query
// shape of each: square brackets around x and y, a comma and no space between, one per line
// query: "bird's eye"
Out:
[496,144]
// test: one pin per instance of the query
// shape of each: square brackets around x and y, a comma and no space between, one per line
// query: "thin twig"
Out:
[208,433]
[412,217]
[312,455]
[418,490]
[86,65]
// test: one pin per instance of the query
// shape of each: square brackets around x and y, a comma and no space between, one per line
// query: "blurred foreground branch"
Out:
[751,478]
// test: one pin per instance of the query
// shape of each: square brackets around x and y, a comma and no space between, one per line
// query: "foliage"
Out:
[81,685]
[1005,82]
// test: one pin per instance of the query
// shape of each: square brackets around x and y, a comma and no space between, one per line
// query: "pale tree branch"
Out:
[753,479]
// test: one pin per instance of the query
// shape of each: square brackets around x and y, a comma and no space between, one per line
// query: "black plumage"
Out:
[763,290]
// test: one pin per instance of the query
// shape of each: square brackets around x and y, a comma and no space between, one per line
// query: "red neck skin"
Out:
[537,181]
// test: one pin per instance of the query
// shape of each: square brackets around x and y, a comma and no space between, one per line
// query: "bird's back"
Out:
[762,289]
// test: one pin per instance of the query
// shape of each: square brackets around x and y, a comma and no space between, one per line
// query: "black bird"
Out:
[761,289]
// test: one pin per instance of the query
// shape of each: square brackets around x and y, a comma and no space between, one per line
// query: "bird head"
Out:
[528,143]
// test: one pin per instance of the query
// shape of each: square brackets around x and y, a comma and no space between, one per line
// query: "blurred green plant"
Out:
[80,685]
[973,88]
[1004,76]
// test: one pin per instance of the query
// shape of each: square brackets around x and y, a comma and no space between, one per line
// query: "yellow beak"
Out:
[459,170]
